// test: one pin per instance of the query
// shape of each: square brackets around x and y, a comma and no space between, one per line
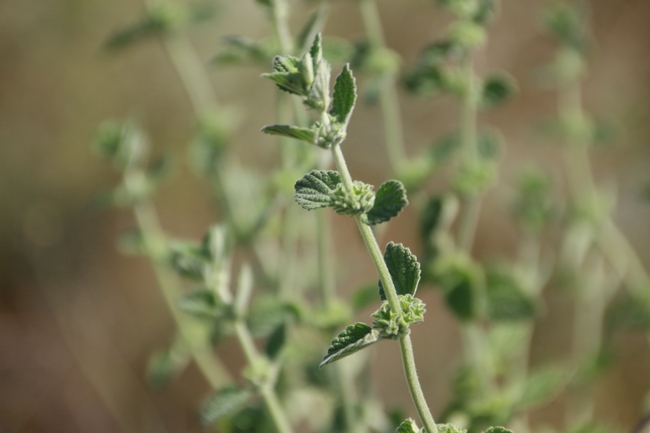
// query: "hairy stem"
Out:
[388,99]
[391,295]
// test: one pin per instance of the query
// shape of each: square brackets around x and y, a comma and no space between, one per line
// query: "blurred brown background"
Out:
[78,320]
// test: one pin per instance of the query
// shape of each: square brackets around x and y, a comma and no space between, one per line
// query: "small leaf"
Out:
[188,259]
[364,296]
[266,314]
[275,342]
[450,428]
[345,96]
[497,89]
[541,386]
[408,426]
[241,50]
[287,76]
[226,401]
[389,201]
[628,312]
[166,364]
[498,430]
[507,300]
[404,270]
[307,135]
[350,340]
[200,302]
[314,190]
[488,143]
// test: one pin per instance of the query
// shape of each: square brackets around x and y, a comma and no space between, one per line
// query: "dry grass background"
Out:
[78,320]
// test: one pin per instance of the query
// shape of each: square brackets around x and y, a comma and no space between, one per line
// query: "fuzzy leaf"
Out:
[497,89]
[364,296]
[287,76]
[498,430]
[275,342]
[345,96]
[314,190]
[200,302]
[226,401]
[389,201]
[450,428]
[408,426]
[350,340]
[540,387]
[404,270]
[507,301]
[307,135]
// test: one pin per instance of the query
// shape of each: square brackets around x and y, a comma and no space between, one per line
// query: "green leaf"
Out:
[155,23]
[498,430]
[450,428]
[628,312]
[286,74]
[507,300]
[489,143]
[404,270]
[345,96]
[308,135]
[389,201]
[364,296]
[315,189]
[540,387]
[188,259]
[275,342]
[318,94]
[226,401]
[267,313]
[132,242]
[497,89]
[242,50]
[200,302]
[350,340]
[164,365]
[460,279]
[408,426]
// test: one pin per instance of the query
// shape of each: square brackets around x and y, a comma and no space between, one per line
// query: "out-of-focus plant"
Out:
[228,286]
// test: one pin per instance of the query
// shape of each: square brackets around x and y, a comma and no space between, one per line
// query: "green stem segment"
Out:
[388,99]
[393,300]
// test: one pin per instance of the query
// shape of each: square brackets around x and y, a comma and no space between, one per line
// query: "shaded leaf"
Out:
[389,201]
[628,312]
[364,296]
[308,135]
[226,401]
[200,302]
[166,364]
[541,386]
[275,342]
[450,428]
[345,96]
[507,300]
[498,430]
[404,270]
[408,426]
[350,340]
[315,189]
[497,89]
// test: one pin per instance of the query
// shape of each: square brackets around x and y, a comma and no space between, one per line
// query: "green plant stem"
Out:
[326,281]
[267,389]
[154,239]
[391,295]
[475,338]
[388,98]
[189,68]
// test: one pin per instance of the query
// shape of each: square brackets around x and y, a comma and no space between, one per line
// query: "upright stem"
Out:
[406,346]
[388,98]
[154,239]
[267,390]
[475,340]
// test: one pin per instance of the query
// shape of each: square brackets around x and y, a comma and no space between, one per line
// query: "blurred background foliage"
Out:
[78,320]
